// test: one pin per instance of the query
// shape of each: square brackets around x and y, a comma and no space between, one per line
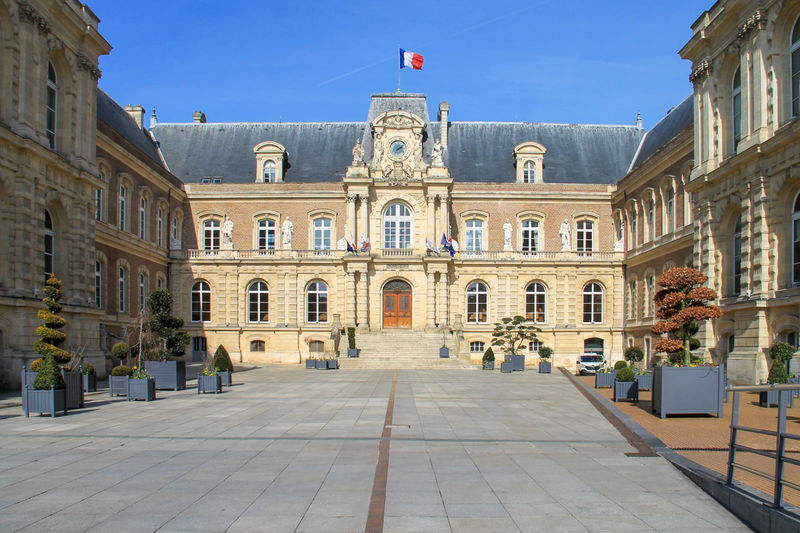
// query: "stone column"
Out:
[351,217]
[294,300]
[444,301]
[444,214]
[363,227]
[430,322]
[431,211]
[350,299]
[760,277]
[363,312]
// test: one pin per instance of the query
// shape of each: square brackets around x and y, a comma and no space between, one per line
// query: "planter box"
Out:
[517,363]
[26,379]
[72,379]
[545,367]
[505,368]
[645,381]
[209,384]
[769,398]
[311,363]
[626,390]
[225,375]
[333,364]
[352,352]
[688,390]
[604,379]
[44,401]
[444,352]
[169,375]
[90,382]
[142,389]
[118,385]
[795,379]
[321,364]
[488,365]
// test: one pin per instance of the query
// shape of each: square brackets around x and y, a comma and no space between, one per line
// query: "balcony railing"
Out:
[462,255]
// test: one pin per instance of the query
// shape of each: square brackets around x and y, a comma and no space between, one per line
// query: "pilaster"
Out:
[363,294]
[430,321]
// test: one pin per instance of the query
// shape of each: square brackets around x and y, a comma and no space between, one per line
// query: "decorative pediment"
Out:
[397,120]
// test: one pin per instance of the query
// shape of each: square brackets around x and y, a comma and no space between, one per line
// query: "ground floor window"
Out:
[257,346]
[477,346]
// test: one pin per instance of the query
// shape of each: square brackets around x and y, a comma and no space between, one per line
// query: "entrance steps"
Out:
[400,349]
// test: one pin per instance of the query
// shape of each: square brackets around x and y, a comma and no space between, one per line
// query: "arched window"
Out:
[143,218]
[49,245]
[477,346]
[160,227]
[736,271]
[477,303]
[397,227]
[175,231]
[529,172]
[317,302]
[593,304]
[51,111]
[634,228]
[474,235]
[258,302]
[535,310]
[144,282]
[669,209]
[266,234]
[530,235]
[322,234]
[269,171]
[651,287]
[651,220]
[316,347]
[98,284]
[98,204]
[211,234]
[585,236]
[123,206]
[257,346]
[122,286]
[796,241]
[736,107]
[795,62]
[201,302]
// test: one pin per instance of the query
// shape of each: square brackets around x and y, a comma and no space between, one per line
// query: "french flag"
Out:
[410,59]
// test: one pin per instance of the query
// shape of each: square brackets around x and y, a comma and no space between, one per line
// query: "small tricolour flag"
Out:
[410,59]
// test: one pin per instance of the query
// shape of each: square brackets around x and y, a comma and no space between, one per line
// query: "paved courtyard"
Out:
[289,449]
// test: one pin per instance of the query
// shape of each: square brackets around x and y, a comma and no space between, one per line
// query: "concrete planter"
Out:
[517,363]
[311,363]
[488,365]
[769,398]
[118,385]
[321,364]
[142,389]
[545,367]
[688,390]
[626,390]
[352,352]
[227,379]
[90,382]
[44,401]
[169,375]
[209,384]
[604,379]
[645,381]
[333,364]
[444,352]
[505,368]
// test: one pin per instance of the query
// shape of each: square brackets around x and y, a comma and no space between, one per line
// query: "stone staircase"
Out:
[400,349]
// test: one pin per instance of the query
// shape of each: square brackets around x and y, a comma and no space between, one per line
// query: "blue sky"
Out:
[303,61]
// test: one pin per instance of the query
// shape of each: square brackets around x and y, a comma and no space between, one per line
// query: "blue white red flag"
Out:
[410,59]
[447,244]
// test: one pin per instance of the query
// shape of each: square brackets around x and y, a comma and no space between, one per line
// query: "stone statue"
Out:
[288,230]
[507,234]
[377,152]
[227,234]
[436,154]
[564,233]
[358,153]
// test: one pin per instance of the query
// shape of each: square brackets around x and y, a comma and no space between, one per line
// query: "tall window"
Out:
[795,51]
[530,235]
[160,227]
[266,234]
[98,204]
[477,303]
[143,283]
[258,302]
[175,230]
[634,227]
[632,300]
[796,241]
[51,114]
[317,302]
[98,284]
[670,208]
[123,289]
[593,304]
[585,236]
[535,303]
[49,245]
[269,171]
[736,107]
[397,227]
[201,302]
[651,220]
[322,234]
[142,218]
[474,235]
[529,172]
[211,234]
[736,271]
[651,286]
[123,206]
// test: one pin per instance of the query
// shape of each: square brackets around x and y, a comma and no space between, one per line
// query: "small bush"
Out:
[634,354]
[121,370]
[120,350]
[625,374]
[488,355]
[781,351]
[545,353]
[620,364]
[777,372]
[222,361]
[36,364]
[87,368]
[351,338]
[49,376]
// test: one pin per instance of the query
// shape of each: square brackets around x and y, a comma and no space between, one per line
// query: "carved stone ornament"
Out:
[753,22]
[702,70]
[396,174]
[84,63]
[28,14]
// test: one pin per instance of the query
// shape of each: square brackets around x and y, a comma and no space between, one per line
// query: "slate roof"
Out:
[669,127]
[120,121]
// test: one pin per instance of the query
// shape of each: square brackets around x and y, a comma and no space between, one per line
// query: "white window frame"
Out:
[122,287]
[143,218]
[397,226]
[160,226]
[477,303]
[477,346]
[270,171]
[796,242]
[651,219]
[123,207]
[51,106]
[529,172]
[98,284]
[669,210]
[317,297]
[266,233]
[49,245]
[322,233]
[212,233]
[584,236]
[474,235]
[98,204]
[144,282]
[736,108]
[794,78]
[736,258]
[530,235]
[536,297]
[200,302]
[594,306]
[261,302]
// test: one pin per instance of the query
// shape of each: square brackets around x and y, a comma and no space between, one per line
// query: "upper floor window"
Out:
[796,241]
[736,271]
[736,107]
[51,114]
[322,234]
[98,204]
[535,295]
[49,245]
[258,302]
[201,302]
[795,62]
[529,172]
[474,235]
[651,287]
[270,171]
[651,220]
[160,226]
[143,218]
[477,303]
[593,304]
[530,235]
[634,228]
[211,232]
[123,206]
[397,227]
[266,234]
[585,236]
[143,283]
[98,284]
[123,289]
[175,229]
[670,210]
[632,300]
[317,302]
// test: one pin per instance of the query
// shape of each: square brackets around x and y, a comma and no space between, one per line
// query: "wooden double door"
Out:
[397,305]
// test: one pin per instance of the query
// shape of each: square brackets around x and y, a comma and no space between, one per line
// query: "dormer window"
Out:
[529,172]
[529,158]
[270,157]
[269,171]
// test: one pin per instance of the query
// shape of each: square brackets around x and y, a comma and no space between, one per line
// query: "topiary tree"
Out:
[634,354]
[620,365]
[511,333]
[121,370]
[782,351]
[351,338]
[488,357]
[170,342]
[50,336]
[625,373]
[545,353]
[682,304]
[120,351]
[49,375]
[777,372]
[222,361]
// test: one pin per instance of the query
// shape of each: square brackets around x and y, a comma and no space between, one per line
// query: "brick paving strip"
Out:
[377,503]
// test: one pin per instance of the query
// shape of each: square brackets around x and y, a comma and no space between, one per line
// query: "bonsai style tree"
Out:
[49,375]
[634,354]
[511,333]
[169,341]
[545,353]
[222,361]
[682,304]
[50,336]
[488,357]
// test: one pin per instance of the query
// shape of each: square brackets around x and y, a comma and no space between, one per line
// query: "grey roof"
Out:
[118,119]
[676,121]
[321,152]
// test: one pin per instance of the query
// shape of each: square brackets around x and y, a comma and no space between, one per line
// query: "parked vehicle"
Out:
[589,363]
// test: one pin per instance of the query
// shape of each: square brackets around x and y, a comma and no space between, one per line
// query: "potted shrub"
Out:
[625,385]
[488,359]
[352,351]
[605,376]
[141,385]
[332,363]
[48,393]
[444,351]
[223,365]
[310,362]
[545,353]
[118,380]
[209,381]
[505,366]
[644,379]
[634,355]
[777,375]
[168,343]
[511,334]
[89,377]
[321,364]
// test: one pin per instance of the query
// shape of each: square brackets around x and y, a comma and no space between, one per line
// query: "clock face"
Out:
[397,149]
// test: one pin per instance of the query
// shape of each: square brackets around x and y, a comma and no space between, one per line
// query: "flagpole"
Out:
[399,68]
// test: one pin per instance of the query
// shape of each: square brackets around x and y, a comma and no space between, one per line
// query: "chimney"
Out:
[199,117]
[639,121]
[153,118]
[137,114]
[444,113]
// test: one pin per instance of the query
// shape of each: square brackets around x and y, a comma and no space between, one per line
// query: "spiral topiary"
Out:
[49,376]
[50,337]
[222,361]
[36,364]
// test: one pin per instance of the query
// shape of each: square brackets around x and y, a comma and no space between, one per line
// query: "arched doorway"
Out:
[397,304]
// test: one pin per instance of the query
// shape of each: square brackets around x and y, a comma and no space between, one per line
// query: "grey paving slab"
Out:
[290,450]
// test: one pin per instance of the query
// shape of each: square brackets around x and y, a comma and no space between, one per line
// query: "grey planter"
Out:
[44,401]
[545,367]
[311,363]
[604,379]
[118,385]
[488,365]
[505,368]
[769,398]
[444,352]
[209,384]
[72,379]
[90,382]
[26,379]
[626,390]
[517,363]
[795,379]
[333,364]
[169,375]
[142,389]
[321,364]
[645,381]
[227,379]
[688,390]
[352,352]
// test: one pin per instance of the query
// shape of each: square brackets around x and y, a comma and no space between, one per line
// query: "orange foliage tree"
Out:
[682,304]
